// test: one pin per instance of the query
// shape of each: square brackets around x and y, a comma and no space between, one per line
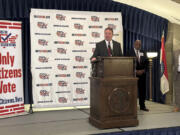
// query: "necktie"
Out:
[109,49]
[137,53]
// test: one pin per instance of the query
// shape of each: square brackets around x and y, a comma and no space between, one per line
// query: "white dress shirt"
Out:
[111,44]
[137,55]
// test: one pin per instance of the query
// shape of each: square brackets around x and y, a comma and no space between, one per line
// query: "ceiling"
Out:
[169,9]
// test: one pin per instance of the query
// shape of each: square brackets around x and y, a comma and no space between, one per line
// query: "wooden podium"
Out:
[113,92]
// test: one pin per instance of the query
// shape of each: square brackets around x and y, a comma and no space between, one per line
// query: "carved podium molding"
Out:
[118,100]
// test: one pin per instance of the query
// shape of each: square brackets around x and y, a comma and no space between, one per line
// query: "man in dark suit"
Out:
[141,67]
[107,47]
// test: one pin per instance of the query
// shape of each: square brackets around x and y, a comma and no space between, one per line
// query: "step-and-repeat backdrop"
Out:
[62,43]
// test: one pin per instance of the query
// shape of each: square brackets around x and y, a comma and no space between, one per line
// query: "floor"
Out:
[75,122]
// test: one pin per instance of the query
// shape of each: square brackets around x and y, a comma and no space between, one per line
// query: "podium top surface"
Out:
[116,57]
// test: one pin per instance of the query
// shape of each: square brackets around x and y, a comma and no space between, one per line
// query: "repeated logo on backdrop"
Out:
[42,25]
[62,44]
[60,17]
[42,42]
[94,18]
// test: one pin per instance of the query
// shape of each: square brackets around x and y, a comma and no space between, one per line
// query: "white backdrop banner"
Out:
[11,73]
[62,43]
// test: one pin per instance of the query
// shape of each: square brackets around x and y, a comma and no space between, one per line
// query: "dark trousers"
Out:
[142,90]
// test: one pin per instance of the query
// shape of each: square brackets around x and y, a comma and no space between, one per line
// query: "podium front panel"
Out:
[114,66]
[119,67]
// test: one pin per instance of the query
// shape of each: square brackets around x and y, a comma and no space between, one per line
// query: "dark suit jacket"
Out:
[102,50]
[143,64]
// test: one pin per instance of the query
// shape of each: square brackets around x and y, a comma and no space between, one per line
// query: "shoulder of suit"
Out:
[101,42]
[115,42]
[142,51]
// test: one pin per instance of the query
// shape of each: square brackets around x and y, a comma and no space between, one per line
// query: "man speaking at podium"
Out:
[107,47]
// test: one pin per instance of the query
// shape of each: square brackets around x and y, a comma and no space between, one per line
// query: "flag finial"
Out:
[163,33]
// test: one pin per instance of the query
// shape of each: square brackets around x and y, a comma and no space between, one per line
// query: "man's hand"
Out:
[93,59]
[140,72]
[143,71]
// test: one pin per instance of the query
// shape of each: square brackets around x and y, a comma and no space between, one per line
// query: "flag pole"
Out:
[150,56]
[150,80]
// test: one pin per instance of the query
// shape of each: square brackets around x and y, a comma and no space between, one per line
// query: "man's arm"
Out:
[120,50]
[95,54]
[145,64]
